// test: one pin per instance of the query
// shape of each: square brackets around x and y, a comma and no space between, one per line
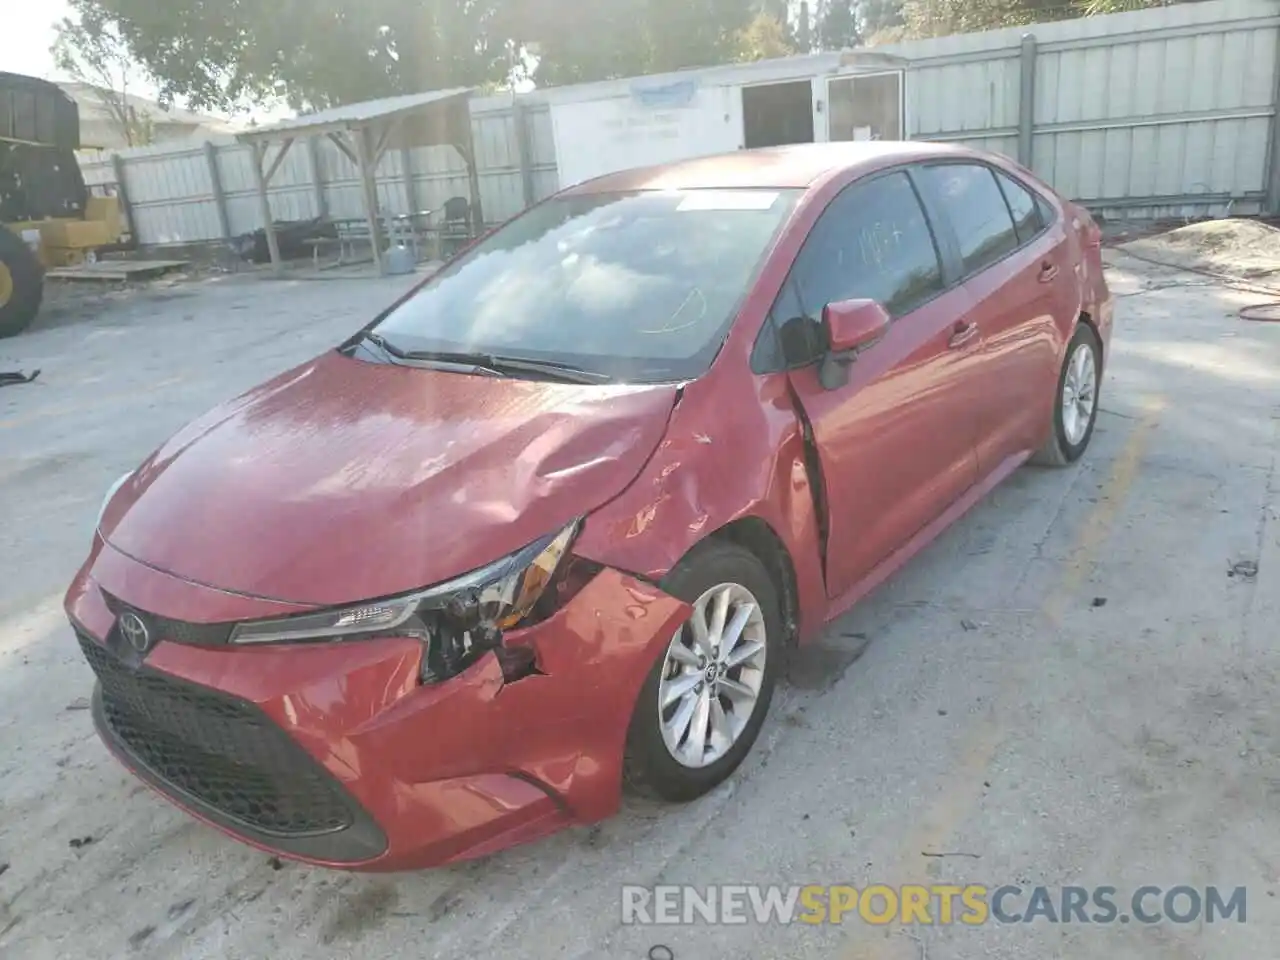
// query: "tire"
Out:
[650,765]
[1067,440]
[21,284]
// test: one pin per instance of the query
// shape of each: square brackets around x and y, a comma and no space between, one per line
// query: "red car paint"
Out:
[342,481]
[321,453]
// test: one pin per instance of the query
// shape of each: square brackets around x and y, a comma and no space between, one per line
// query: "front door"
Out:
[896,443]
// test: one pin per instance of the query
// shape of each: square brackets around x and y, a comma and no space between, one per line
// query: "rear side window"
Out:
[1022,204]
[977,210]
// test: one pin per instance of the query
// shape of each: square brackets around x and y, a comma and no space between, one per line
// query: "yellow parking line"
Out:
[962,789]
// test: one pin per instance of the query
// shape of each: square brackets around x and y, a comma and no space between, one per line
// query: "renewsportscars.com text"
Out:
[935,904]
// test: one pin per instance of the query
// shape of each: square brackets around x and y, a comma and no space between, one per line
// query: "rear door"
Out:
[1019,276]
[896,443]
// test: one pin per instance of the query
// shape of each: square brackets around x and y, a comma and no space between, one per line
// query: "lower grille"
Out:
[223,756]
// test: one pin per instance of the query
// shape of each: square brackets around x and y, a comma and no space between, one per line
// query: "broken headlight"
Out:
[457,620]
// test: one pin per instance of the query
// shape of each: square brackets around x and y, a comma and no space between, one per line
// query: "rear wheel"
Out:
[706,697]
[1075,409]
[21,284]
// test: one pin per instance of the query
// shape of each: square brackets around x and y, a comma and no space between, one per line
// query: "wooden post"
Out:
[219,195]
[264,206]
[473,182]
[524,148]
[368,181]
[317,178]
[122,194]
[410,185]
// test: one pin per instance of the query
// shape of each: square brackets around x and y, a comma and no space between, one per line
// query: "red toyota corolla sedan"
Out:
[549,524]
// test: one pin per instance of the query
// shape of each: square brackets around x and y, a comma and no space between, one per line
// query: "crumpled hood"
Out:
[343,480]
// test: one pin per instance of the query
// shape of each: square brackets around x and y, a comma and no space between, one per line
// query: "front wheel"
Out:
[705,699]
[21,284]
[1075,408]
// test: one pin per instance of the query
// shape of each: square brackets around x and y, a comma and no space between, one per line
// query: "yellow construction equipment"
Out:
[47,216]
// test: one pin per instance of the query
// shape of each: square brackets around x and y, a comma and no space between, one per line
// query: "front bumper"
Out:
[335,753]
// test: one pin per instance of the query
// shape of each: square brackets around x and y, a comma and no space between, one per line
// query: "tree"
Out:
[934,18]
[624,38]
[313,53]
[880,16]
[316,53]
[1094,7]
[838,25]
[764,38]
[938,18]
[90,50]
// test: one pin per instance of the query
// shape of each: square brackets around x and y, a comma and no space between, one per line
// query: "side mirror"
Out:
[852,324]
[849,325]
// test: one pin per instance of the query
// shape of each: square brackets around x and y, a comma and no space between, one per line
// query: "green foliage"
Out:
[837,25]
[625,38]
[89,49]
[880,16]
[935,18]
[314,53]
[764,38]
[1092,8]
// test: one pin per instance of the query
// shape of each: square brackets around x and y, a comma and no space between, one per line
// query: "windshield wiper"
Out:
[492,363]
[396,354]
[551,369]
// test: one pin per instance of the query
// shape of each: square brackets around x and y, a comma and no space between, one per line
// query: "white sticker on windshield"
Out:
[728,200]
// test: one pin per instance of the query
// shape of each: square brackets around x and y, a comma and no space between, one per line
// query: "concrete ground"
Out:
[1067,688]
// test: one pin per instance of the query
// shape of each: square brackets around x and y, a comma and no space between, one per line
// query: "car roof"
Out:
[797,166]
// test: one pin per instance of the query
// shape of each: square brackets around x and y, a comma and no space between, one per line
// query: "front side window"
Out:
[872,242]
[640,286]
[974,204]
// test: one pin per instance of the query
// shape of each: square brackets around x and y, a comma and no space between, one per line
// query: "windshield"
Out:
[639,286]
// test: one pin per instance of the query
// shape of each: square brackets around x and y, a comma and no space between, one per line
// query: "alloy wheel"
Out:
[1079,393]
[712,674]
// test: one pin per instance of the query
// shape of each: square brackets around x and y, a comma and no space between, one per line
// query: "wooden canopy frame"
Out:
[364,132]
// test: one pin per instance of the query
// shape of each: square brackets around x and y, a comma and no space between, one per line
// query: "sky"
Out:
[27,36]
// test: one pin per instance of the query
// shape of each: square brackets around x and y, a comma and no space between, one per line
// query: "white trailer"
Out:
[604,127]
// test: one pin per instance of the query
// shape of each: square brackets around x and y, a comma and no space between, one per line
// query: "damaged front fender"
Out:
[732,451]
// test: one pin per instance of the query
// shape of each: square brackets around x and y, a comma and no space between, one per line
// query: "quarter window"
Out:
[1022,204]
[977,210]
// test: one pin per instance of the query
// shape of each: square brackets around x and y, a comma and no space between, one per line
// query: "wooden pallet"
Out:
[116,270]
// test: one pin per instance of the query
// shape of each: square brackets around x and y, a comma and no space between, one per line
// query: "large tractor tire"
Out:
[21,284]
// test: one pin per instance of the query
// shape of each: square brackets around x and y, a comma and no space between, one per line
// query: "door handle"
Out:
[964,332]
[1048,272]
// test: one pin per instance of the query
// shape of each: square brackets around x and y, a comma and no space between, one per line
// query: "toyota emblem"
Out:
[134,629]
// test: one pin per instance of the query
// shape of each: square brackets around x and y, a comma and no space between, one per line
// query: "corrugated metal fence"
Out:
[1157,113]
[172,191]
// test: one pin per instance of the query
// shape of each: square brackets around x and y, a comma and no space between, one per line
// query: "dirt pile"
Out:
[1234,247]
